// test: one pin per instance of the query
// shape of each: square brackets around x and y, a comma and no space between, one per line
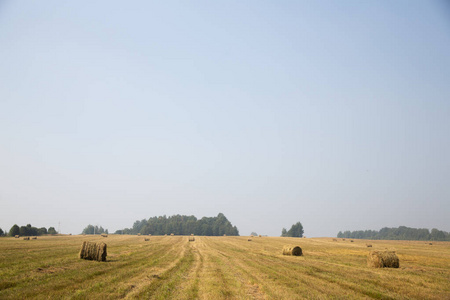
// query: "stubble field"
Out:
[171,267]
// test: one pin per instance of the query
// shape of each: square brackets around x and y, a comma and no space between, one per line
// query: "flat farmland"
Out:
[171,267]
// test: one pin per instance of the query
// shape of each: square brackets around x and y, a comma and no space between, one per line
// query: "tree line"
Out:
[28,231]
[91,229]
[400,233]
[183,225]
[295,231]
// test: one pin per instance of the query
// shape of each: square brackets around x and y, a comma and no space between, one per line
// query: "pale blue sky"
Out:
[332,113]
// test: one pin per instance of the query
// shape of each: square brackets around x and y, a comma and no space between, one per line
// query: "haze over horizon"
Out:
[334,114]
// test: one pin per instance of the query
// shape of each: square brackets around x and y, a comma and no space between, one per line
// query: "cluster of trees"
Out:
[91,229]
[295,231]
[400,233]
[29,230]
[183,225]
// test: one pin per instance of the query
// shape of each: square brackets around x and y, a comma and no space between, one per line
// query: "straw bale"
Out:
[93,251]
[369,245]
[16,236]
[27,238]
[383,259]
[146,239]
[292,250]
[191,239]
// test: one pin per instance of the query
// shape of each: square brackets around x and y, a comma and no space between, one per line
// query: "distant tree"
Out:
[296,230]
[1,232]
[106,231]
[284,232]
[15,230]
[254,233]
[52,230]
[400,233]
[42,231]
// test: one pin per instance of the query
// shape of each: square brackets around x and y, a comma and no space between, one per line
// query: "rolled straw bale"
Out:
[369,245]
[224,235]
[383,259]
[192,234]
[351,241]
[34,238]
[16,236]
[259,235]
[430,243]
[139,234]
[146,239]
[27,238]
[343,239]
[292,250]
[104,235]
[172,234]
[334,240]
[249,240]
[191,239]
[93,251]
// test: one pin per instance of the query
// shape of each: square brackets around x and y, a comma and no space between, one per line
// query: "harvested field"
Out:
[220,268]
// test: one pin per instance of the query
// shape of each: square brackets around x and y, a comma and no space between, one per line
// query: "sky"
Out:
[332,113]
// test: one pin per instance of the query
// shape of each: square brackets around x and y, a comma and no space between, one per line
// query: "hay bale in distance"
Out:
[259,235]
[369,245]
[93,251]
[27,238]
[224,235]
[172,234]
[16,236]
[343,239]
[430,243]
[192,234]
[249,240]
[334,240]
[292,250]
[146,239]
[104,235]
[351,241]
[139,234]
[383,259]
[191,239]
[34,238]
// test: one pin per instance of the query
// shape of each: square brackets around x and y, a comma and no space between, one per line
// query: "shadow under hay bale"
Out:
[191,239]
[383,259]
[292,250]
[93,251]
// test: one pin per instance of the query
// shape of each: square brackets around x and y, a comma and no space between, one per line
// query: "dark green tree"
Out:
[284,232]
[296,230]
[15,230]
[52,230]
[1,232]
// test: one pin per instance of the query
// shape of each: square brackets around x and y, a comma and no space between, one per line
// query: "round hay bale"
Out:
[259,235]
[27,238]
[351,241]
[383,259]
[191,239]
[430,243]
[292,250]
[139,234]
[192,234]
[146,239]
[34,238]
[16,236]
[334,240]
[369,245]
[93,251]
[172,234]
[249,240]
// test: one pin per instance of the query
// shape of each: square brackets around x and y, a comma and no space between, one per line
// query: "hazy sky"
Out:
[332,113]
